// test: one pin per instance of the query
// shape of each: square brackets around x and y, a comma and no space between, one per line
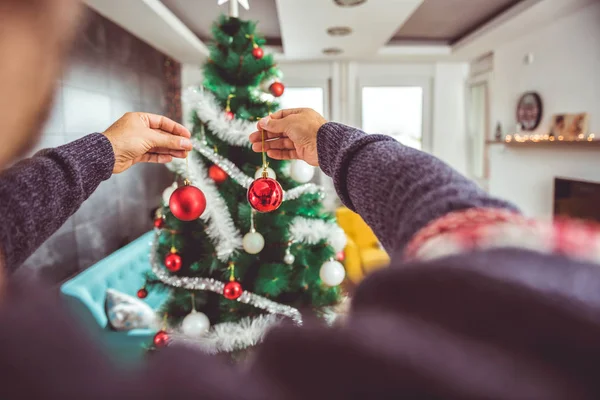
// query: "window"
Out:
[396,111]
[303,97]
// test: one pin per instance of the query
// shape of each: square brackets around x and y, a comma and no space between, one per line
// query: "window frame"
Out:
[485,79]
[424,83]
[313,83]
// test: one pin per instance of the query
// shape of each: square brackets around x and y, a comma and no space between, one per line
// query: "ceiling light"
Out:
[349,3]
[339,31]
[332,51]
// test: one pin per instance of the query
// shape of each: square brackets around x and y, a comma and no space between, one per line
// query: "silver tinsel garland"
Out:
[244,180]
[216,286]
[230,168]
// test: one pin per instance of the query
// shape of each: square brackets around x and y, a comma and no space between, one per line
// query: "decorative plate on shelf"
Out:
[529,111]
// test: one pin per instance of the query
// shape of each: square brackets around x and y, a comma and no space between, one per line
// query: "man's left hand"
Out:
[141,137]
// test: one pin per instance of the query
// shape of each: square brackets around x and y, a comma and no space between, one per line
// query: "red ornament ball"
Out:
[142,293]
[159,223]
[187,203]
[229,115]
[258,53]
[217,174]
[341,256]
[265,195]
[161,339]
[173,262]
[232,290]
[276,89]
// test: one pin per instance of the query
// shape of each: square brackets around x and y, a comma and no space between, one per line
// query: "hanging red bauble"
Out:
[173,262]
[159,222]
[142,293]
[161,339]
[276,89]
[258,53]
[217,174]
[341,256]
[265,195]
[187,203]
[232,290]
[229,115]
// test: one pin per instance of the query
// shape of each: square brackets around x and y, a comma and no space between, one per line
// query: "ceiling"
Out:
[199,15]
[300,26]
[447,21]
[382,30]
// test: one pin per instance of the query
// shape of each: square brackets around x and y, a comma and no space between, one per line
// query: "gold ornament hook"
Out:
[265,173]
[232,268]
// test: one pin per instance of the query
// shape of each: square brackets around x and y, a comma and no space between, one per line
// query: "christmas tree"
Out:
[237,269]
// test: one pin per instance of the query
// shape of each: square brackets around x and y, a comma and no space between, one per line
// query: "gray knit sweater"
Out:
[498,324]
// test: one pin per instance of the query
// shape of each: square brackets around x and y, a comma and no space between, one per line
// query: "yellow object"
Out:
[363,252]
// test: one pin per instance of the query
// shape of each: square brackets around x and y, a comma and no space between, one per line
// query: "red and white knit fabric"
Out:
[484,229]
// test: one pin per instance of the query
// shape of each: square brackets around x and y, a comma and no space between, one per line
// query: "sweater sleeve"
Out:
[396,342]
[40,193]
[396,189]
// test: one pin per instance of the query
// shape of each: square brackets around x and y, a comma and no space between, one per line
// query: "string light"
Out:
[538,138]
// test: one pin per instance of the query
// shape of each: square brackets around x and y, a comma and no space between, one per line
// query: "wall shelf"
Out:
[546,143]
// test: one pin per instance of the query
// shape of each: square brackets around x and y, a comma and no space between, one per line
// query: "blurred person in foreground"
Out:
[479,302]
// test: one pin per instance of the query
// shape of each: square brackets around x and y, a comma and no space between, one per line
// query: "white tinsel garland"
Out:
[298,191]
[230,336]
[235,131]
[312,231]
[220,227]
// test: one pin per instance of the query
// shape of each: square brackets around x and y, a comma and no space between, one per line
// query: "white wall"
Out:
[191,75]
[566,73]
[525,176]
[449,127]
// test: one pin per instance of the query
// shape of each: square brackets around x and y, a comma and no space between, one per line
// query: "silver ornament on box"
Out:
[270,173]
[301,172]
[195,324]
[332,273]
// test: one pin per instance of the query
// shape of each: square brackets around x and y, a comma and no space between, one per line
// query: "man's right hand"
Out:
[297,129]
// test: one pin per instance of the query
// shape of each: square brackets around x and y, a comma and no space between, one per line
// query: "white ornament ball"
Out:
[332,273]
[166,195]
[271,174]
[195,324]
[289,258]
[301,172]
[253,242]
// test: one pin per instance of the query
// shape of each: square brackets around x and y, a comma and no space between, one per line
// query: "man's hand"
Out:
[140,137]
[297,129]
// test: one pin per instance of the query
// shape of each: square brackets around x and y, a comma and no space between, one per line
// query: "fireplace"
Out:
[577,199]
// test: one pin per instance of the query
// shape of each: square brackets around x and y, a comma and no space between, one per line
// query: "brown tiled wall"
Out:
[110,72]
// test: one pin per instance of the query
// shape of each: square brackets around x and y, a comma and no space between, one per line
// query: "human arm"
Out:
[396,189]
[37,195]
